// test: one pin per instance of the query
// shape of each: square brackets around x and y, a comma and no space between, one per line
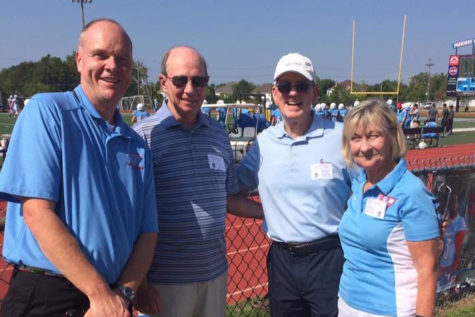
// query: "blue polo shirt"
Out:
[140,114]
[304,184]
[194,174]
[379,276]
[101,179]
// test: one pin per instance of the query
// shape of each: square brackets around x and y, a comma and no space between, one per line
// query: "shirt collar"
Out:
[389,181]
[120,126]
[316,128]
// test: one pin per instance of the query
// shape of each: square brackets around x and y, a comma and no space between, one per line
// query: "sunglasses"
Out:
[286,87]
[196,81]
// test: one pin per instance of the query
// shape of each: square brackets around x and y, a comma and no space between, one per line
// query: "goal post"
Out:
[399,72]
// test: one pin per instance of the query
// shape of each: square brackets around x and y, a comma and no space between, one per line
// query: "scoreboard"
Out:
[461,75]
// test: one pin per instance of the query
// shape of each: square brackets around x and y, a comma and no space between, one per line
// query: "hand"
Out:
[108,304]
[147,299]
[445,224]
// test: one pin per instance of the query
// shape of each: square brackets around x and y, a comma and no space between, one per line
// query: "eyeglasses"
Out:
[196,81]
[286,87]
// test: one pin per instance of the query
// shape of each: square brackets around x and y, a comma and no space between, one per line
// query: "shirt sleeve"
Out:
[249,167]
[32,167]
[150,218]
[419,216]
[232,185]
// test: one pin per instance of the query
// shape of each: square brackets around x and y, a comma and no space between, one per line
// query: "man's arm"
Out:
[240,205]
[425,256]
[62,249]
[139,261]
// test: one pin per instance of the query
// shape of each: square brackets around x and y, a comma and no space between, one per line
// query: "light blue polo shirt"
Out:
[379,276]
[303,184]
[101,180]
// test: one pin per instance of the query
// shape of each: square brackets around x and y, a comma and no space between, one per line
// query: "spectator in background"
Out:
[10,106]
[390,231]
[341,112]
[204,110]
[221,113]
[407,121]
[16,106]
[82,220]
[392,105]
[334,112]
[415,112]
[276,115]
[453,241]
[196,184]
[445,117]
[304,185]
[433,114]
[139,114]
[450,119]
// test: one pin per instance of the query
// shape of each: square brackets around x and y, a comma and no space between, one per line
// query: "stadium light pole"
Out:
[429,65]
[82,8]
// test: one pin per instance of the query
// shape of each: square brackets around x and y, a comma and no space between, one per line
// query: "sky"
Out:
[244,39]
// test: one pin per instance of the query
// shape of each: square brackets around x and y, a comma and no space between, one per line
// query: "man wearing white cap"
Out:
[304,202]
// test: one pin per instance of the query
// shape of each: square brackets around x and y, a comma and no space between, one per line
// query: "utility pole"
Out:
[429,65]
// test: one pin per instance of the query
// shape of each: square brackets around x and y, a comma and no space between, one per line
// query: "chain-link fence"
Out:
[247,246]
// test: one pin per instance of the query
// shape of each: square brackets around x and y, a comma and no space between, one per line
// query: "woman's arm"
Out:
[425,256]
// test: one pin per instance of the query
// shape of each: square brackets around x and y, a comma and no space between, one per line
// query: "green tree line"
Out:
[54,74]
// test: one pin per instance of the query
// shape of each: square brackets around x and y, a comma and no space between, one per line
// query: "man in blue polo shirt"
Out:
[304,202]
[196,184]
[82,220]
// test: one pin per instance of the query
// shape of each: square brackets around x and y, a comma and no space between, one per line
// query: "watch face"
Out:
[128,292]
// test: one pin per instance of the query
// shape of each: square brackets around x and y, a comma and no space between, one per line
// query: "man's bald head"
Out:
[102,20]
[182,47]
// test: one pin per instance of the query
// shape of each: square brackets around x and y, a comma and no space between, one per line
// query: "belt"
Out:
[327,243]
[34,270]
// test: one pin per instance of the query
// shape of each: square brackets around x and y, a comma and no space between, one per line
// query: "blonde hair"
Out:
[377,113]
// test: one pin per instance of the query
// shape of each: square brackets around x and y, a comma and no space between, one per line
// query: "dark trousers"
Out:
[34,294]
[304,285]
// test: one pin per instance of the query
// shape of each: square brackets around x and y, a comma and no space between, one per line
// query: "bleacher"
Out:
[430,135]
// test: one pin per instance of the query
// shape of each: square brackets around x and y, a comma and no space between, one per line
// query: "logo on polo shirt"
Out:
[134,161]
[388,200]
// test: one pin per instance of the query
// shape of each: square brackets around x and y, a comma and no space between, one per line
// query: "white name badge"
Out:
[375,208]
[321,171]
[216,162]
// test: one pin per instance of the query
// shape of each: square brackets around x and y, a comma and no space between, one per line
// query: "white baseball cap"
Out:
[296,63]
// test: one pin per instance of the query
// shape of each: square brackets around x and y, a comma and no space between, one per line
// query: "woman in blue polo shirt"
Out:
[390,232]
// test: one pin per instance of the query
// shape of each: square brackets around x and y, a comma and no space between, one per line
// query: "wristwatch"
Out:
[127,292]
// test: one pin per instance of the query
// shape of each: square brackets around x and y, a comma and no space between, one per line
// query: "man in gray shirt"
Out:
[433,114]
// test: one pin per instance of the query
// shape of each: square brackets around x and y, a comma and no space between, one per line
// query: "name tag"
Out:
[321,171]
[216,162]
[375,208]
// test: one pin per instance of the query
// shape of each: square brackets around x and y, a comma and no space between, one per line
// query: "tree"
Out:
[210,94]
[324,85]
[242,87]
[139,79]
[48,74]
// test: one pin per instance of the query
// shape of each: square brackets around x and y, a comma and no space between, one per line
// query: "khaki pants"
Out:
[194,299]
